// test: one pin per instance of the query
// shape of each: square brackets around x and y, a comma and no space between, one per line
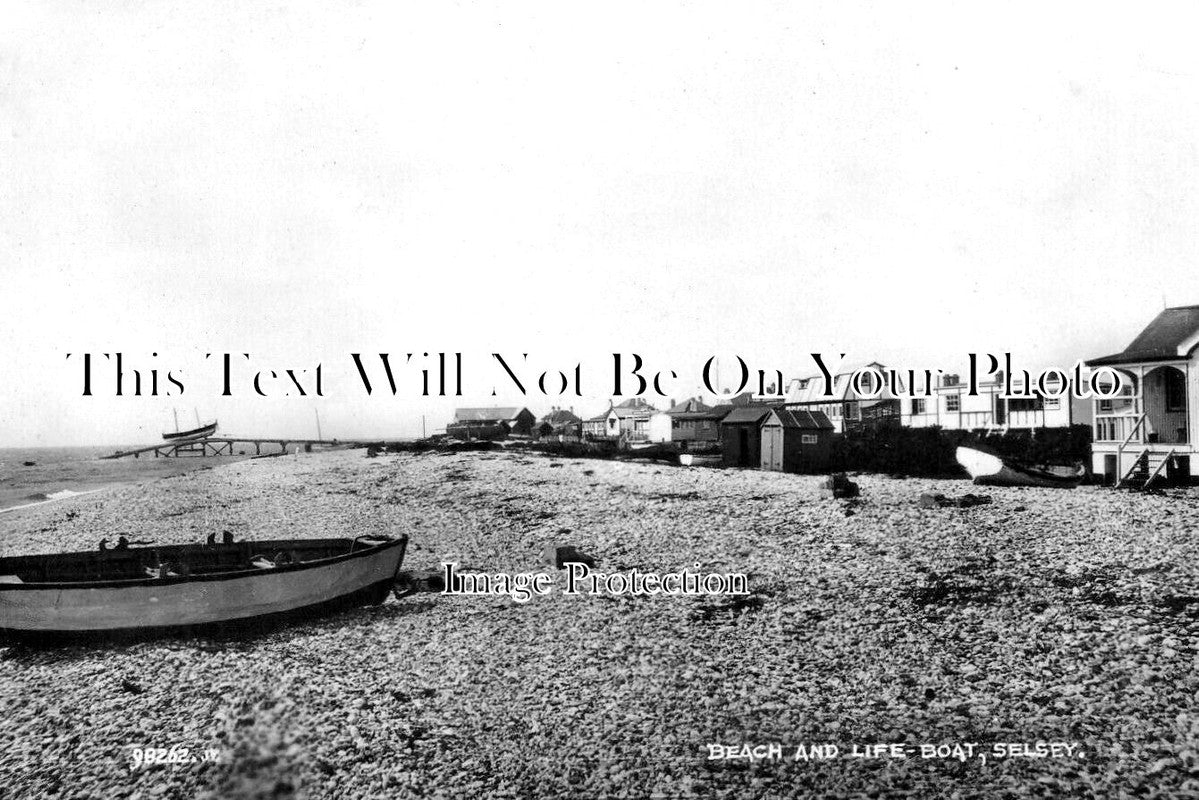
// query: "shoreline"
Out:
[69,495]
[29,486]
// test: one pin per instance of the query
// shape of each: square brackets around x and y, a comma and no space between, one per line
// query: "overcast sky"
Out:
[901,182]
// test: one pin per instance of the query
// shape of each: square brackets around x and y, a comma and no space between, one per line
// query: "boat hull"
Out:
[194,433]
[988,469]
[120,609]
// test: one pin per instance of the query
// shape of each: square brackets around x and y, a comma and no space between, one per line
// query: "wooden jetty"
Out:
[208,446]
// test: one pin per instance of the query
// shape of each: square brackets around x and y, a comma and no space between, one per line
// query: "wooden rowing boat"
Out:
[990,469]
[139,591]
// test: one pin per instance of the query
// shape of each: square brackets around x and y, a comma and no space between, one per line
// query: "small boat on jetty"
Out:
[139,591]
[194,433]
[991,469]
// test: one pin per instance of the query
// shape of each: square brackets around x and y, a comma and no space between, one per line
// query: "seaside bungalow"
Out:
[741,436]
[1145,432]
[630,420]
[491,423]
[597,427]
[693,420]
[953,408]
[560,422]
[796,441]
[698,426]
[846,408]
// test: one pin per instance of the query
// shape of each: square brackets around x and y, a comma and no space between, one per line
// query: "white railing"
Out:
[1120,428]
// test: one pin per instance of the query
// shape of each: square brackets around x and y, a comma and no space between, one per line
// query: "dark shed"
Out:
[796,440]
[741,436]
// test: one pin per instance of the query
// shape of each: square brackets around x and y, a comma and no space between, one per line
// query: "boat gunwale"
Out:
[193,433]
[252,571]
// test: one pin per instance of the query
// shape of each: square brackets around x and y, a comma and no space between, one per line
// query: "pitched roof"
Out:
[688,406]
[744,414]
[636,403]
[560,416]
[810,388]
[743,399]
[624,412]
[486,414]
[718,411]
[801,418]
[700,414]
[1172,334]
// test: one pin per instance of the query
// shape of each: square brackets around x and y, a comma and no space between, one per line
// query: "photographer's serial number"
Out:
[142,757]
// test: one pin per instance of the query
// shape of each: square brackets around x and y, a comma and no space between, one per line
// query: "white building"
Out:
[1145,433]
[633,420]
[846,406]
[948,404]
[952,407]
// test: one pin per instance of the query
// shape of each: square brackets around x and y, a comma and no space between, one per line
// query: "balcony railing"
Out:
[1119,428]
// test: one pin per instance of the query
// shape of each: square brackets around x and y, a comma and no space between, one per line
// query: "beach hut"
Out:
[741,436]
[796,440]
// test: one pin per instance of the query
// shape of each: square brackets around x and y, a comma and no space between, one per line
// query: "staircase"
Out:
[1147,468]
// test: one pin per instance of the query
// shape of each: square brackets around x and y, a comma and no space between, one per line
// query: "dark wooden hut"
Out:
[796,440]
[741,436]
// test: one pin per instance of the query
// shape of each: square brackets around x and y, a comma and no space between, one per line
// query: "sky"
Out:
[905,183]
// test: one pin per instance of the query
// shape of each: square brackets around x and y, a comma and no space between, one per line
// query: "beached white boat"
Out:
[989,469]
[151,590]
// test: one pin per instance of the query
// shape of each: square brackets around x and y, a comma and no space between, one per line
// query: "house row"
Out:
[1142,433]
[949,404]
[744,432]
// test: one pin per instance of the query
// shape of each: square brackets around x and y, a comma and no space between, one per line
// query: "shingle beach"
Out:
[1044,616]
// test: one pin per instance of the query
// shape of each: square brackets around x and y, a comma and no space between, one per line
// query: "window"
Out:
[1053,403]
[1016,404]
[1176,390]
[953,402]
[808,438]
[1105,405]
[917,405]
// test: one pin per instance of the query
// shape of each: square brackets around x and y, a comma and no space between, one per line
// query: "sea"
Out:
[33,475]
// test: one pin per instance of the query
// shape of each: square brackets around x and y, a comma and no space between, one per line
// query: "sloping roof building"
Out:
[560,422]
[519,420]
[1172,335]
[1145,433]
[741,435]
[796,441]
